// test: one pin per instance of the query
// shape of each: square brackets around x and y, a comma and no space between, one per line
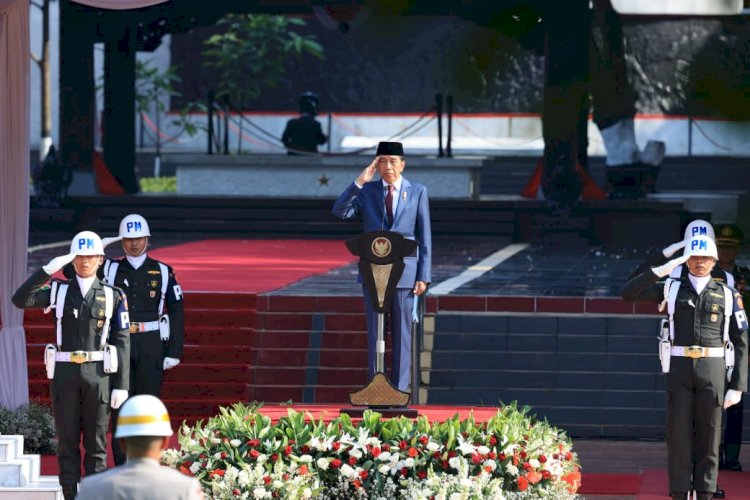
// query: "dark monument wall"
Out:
[679,67]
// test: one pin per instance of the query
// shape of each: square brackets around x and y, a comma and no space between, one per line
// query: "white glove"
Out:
[108,241]
[170,363]
[731,398]
[118,397]
[58,263]
[666,269]
[670,250]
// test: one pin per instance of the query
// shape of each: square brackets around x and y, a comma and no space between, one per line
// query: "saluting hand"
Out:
[368,173]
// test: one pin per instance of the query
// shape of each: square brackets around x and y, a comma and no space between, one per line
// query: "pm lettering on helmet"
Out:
[700,231]
[698,245]
[134,226]
[85,243]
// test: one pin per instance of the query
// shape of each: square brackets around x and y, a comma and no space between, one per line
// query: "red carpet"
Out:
[253,266]
[610,484]
[656,485]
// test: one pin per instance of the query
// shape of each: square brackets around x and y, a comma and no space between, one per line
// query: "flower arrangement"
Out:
[240,453]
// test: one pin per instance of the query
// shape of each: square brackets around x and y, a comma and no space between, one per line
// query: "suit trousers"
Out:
[401,322]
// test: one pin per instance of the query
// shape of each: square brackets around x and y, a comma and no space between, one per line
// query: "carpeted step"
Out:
[185,372]
[269,375]
[338,358]
[220,317]
[39,389]
[220,300]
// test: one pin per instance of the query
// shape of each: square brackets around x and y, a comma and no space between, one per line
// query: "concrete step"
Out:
[44,488]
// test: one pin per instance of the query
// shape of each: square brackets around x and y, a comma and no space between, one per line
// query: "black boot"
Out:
[702,495]
[732,457]
[719,492]
[678,496]
[70,492]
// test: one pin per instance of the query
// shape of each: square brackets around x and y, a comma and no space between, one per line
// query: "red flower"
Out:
[202,456]
[515,459]
[352,460]
[527,466]
[217,473]
[523,483]
[336,445]
[492,455]
[546,474]
[303,470]
[363,474]
[254,442]
[267,479]
[275,457]
[452,453]
[236,492]
[254,454]
[493,440]
[534,477]
[386,447]
[424,439]
[403,445]
[542,458]
[357,483]
[501,457]
[291,441]
[335,463]
[574,481]
[376,452]
[288,451]
[305,449]
[476,458]
[445,464]
[436,455]
[223,455]
[185,469]
[412,452]
[404,472]
[422,474]
[568,456]
[523,454]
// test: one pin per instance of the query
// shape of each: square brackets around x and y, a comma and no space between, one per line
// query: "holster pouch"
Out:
[729,359]
[49,360]
[164,327]
[665,346]
[665,355]
[111,363]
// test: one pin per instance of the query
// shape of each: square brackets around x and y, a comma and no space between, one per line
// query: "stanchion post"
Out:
[226,124]
[330,127]
[439,115]
[210,129]
[448,142]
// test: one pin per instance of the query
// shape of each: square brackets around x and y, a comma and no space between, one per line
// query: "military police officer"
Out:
[144,429]
[156,312]
[728,240]
[708,339]
[88,363]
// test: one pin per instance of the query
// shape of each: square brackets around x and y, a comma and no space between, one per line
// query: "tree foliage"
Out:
[252,52]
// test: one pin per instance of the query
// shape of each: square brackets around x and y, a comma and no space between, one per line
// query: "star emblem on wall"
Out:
[323,180]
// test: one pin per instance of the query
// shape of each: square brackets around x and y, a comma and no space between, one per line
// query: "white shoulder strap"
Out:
[671,288]
[52,297]
[164,284]
[62,291]
[728,309]
[676,272]
[109,305]
[110,271]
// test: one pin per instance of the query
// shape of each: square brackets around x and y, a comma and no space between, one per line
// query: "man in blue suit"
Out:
[393,204]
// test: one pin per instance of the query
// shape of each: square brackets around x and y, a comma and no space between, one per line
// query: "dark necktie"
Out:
[389,203]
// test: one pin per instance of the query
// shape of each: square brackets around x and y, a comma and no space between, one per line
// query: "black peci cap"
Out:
[728,235]
[390,149]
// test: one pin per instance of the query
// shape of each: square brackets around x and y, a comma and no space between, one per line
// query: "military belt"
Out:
[79,357]
[697,352]
[147,326]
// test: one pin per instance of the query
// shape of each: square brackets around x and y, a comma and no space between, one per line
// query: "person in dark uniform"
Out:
[728,240]
[92,316]
[304,134]
[696,384]
[156,312]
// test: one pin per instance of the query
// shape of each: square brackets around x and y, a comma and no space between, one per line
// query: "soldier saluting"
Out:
[705,360]
[88,363]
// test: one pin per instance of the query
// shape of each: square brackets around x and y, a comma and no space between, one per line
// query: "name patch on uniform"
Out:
[152,293]
[99,298]
[177,292]
[153,272]
[124,320]
[741,319]
[714,318]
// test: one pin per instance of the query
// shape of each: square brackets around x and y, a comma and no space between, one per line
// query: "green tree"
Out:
[251,54]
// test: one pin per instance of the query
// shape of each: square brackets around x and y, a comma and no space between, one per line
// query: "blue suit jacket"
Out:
[412,220]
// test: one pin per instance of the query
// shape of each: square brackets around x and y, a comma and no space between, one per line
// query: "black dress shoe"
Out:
[719,492]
